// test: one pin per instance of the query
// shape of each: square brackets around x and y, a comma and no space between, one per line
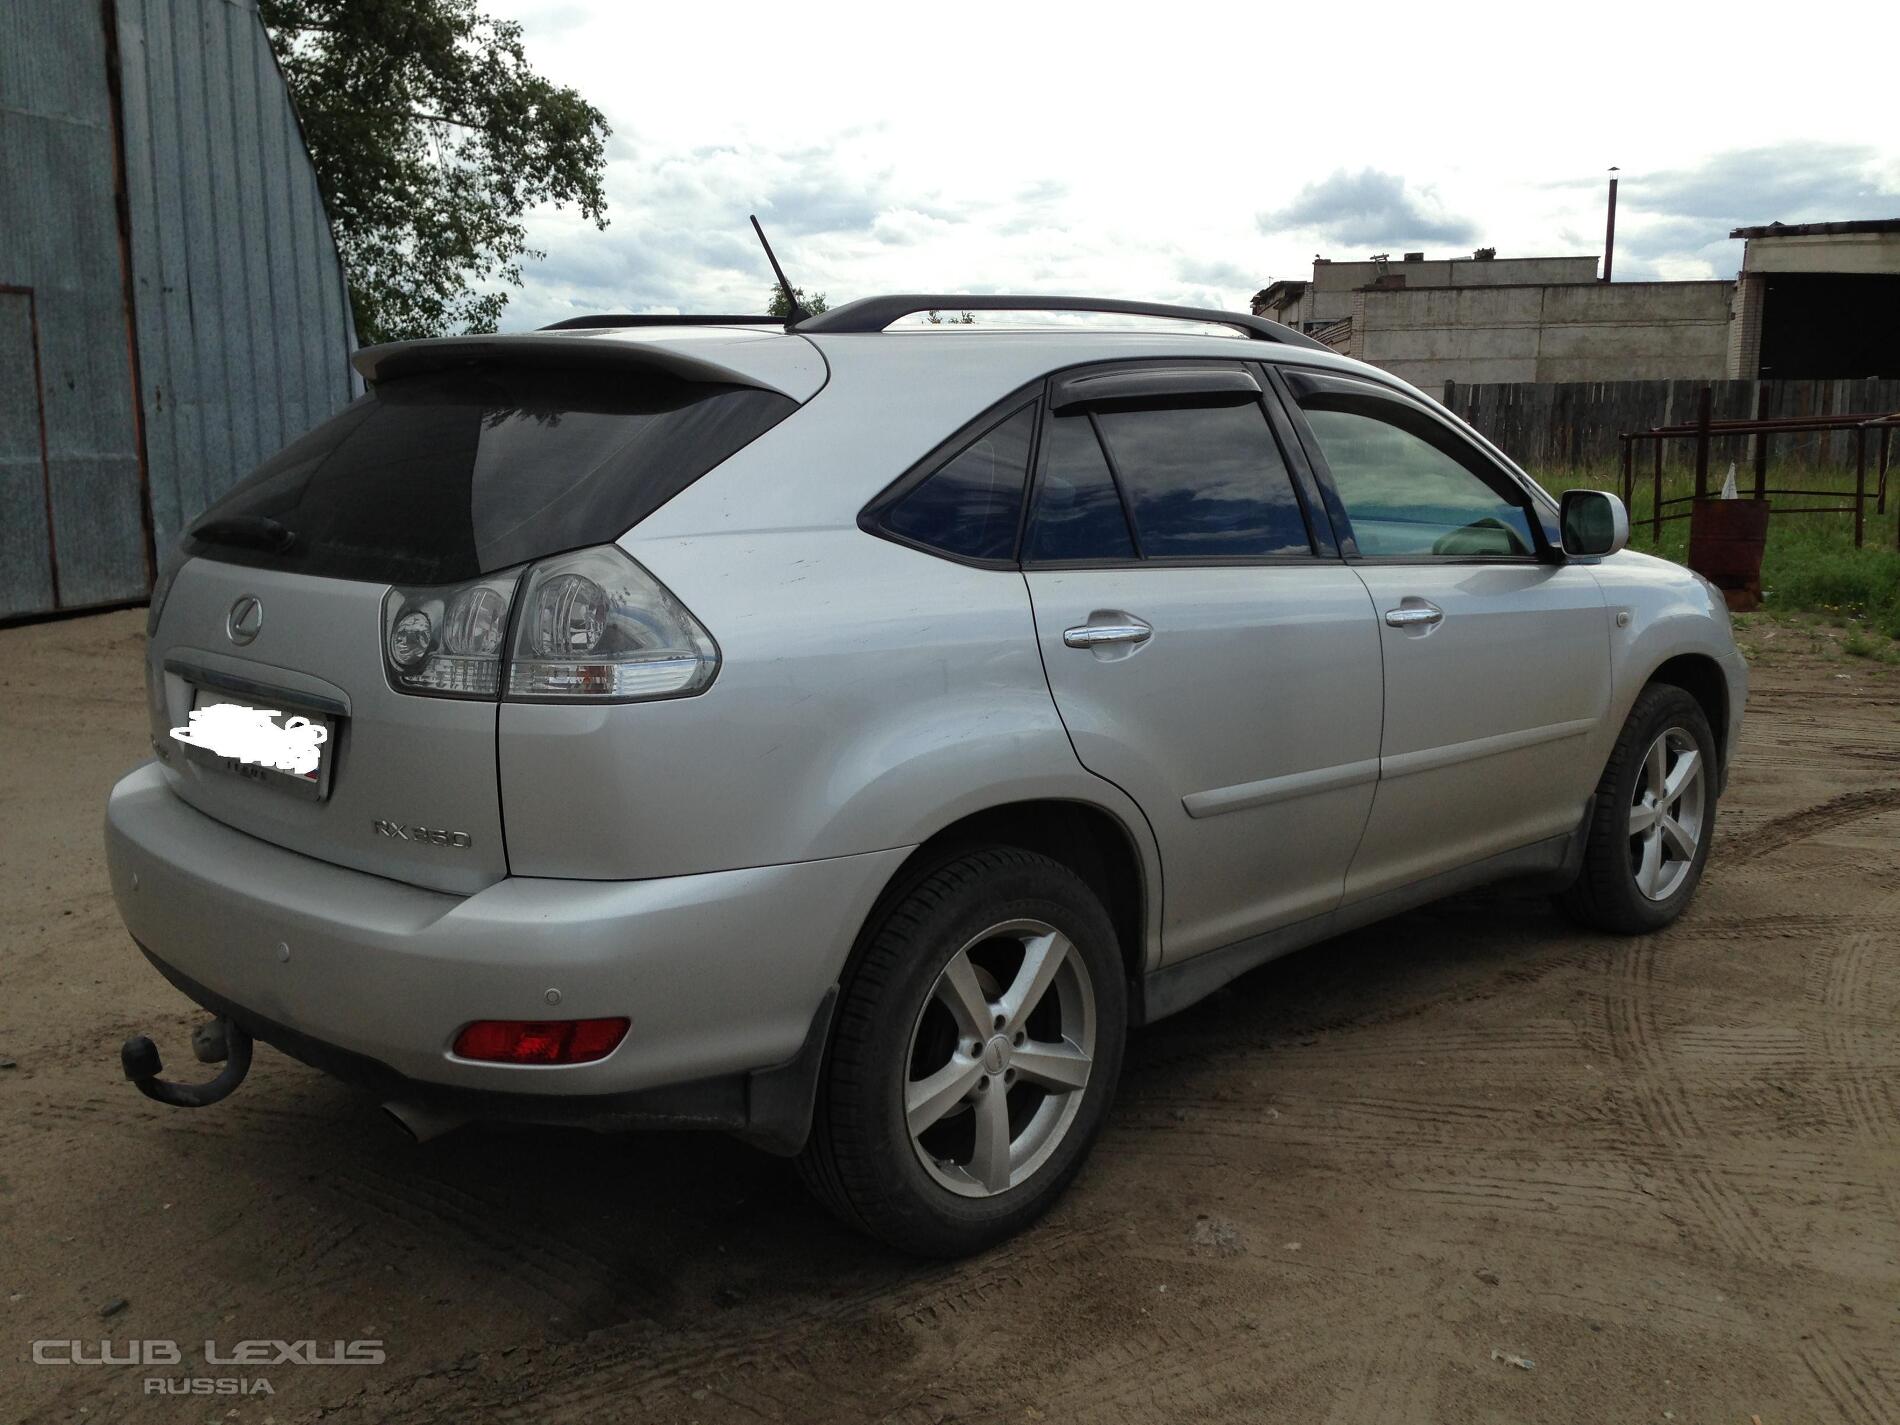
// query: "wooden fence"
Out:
[1554,426]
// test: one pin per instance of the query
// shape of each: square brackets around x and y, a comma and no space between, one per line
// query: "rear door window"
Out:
[971,505]
[1205,481]
[441,477]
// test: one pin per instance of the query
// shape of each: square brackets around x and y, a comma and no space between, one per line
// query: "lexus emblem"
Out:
[244,620]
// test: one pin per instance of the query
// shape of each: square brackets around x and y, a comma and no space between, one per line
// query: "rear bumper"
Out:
[722,975]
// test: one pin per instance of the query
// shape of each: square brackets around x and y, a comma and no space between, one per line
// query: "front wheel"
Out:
[978,1044]
[1653,819]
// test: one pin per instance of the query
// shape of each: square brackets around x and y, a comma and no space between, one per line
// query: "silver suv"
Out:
[843,735]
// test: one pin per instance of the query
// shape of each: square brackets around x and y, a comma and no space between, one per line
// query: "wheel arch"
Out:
[1094,842]
[1701,677]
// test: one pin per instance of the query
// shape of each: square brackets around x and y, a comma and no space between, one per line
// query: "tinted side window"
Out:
[1206,481]
[1078,514]
[1407,488]
[971,505]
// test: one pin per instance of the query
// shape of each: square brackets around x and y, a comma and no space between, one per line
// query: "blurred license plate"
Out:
[273,745]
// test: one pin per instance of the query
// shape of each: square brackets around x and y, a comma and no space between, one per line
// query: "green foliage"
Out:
[1819,569]
[1810,564]
[775,305]
[431,137]
[961,319]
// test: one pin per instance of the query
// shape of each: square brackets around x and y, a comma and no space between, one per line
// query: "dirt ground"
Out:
[1663,1174]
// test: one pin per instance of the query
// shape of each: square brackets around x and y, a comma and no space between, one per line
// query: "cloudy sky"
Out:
[1190,153]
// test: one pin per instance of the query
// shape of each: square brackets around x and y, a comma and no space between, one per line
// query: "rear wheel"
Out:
[977,1048]
[1653,819]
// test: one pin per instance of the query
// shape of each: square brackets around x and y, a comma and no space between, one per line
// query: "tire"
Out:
[907,1019]
[1619,889]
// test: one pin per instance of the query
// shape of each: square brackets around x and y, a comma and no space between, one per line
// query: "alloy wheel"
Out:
[1667,814]
[999,1058]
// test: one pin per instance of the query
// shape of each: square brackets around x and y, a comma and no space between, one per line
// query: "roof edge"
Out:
[1852,225]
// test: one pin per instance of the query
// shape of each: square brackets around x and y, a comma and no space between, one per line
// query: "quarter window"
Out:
[970,506]
[1205,481]
[1408,485]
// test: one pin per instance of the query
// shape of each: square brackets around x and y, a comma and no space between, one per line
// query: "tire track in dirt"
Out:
[1857,1036]
[1867,1099]
[1636,1042]
[1754,1052]
[592,1291]
[1785,830]
[1390,1387]
[1718,1211]
[1185,1370]
[1534,1195]
[1791,925]
[1860,1395]
[656,1362]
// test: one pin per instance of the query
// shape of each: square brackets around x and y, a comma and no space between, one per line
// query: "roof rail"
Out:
[874,314]
[612,319]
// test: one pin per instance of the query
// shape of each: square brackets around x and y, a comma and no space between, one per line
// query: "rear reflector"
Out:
[540,1041]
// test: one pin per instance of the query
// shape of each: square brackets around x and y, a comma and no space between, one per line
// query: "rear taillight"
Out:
[447,641]
[596,625]
[540,1041]
[592,626]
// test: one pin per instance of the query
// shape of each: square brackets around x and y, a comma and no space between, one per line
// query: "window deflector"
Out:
[1171,382]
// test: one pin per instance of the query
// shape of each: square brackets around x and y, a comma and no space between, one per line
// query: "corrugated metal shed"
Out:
[171,305]
[59,261]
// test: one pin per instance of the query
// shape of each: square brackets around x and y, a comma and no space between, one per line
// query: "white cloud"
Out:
[1369,209]
[1127,152]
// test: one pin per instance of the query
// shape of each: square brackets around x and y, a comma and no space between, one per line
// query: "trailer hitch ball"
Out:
[219,1041]
[209,1043]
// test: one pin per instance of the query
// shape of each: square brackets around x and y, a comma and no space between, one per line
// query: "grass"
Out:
[1810,564]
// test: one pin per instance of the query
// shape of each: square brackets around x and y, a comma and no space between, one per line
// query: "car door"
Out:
[1496,652]
[1209,653]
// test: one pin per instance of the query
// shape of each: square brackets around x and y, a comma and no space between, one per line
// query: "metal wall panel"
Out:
[243,317]
[59,239]
[26,567]
[239,314]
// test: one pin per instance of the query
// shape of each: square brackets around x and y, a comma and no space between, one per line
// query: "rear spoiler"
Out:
[774,362]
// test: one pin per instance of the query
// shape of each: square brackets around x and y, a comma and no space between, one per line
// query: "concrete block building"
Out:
[1812,302]
[1326,300]
[1486,319]
[1817,301]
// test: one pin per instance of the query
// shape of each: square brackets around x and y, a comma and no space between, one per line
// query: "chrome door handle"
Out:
[1414,617]
[1093,635]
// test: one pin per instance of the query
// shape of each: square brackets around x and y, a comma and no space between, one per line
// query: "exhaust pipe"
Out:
[423,1123]
[220,1040]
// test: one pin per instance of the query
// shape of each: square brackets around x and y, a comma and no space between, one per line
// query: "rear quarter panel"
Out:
[868,696]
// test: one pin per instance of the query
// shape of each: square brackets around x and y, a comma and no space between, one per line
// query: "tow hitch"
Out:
[213,1042]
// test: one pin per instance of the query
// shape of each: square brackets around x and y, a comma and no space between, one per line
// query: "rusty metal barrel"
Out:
[1726,539]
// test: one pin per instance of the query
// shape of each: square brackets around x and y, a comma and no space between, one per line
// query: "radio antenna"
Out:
[794,309]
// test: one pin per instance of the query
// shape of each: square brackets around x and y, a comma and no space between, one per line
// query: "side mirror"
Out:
[1594,523]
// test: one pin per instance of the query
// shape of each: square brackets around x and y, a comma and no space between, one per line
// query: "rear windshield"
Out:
[440,477]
